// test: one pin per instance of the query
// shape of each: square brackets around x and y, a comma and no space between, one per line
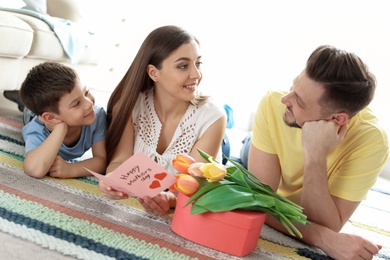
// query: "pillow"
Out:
[15,4]
[36,5]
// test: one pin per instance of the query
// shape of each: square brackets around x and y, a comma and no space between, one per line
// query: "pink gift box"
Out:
[233,232]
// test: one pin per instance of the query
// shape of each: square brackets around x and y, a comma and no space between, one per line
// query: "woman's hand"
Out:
[160,204]
[111,193]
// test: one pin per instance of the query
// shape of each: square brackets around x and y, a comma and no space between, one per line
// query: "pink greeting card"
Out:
[138,176]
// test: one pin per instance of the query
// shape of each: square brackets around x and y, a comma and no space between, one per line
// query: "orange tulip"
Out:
[186,184]
[181,162]
[213,171]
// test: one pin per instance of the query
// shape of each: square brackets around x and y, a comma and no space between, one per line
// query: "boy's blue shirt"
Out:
[35,132]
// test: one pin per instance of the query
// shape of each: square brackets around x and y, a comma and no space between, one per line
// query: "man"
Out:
[321,147]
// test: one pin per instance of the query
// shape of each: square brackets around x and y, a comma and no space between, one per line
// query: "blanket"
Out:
[53,218]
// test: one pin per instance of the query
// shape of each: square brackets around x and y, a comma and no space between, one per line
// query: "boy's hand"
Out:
[50,126]
[60,168]
[111,193]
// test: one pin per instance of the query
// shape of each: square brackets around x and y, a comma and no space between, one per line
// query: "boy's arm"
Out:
[97,163]
[38,161]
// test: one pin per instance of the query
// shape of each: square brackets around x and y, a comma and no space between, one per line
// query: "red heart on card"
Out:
[155,185]
[160,176]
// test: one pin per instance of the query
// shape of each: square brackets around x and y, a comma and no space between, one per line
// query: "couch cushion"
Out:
[17,46]
[45,44]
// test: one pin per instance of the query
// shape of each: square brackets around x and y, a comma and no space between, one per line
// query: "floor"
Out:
[9,112]
[382,184]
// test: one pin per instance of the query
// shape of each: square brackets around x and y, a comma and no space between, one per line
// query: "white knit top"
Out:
[194,123]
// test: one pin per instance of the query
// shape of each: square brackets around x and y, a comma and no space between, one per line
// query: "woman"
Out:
[157,109]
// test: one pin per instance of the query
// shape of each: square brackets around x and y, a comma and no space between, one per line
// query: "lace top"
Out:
[194,123]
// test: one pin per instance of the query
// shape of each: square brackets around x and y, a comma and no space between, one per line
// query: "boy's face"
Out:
[76,107]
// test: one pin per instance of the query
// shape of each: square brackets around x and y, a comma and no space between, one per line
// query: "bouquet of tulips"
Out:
[215,187]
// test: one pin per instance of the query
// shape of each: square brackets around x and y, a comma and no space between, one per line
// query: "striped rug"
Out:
[53,218]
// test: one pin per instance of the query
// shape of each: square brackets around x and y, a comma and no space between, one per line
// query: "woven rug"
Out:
[53,218]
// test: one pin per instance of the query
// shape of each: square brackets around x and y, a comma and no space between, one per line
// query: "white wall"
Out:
[251,46]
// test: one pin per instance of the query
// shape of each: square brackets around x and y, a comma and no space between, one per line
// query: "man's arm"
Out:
[319,206]
[334,244]
[38,161]
[337,245]
[319,138]
[264,166]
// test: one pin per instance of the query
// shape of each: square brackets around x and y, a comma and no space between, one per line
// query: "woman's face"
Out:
[180,72]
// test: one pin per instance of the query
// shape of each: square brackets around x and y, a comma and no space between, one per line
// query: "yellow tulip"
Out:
[181,162]
[186,184]
[213,171]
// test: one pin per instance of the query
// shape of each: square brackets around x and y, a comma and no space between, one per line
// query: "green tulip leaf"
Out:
[205,156]
[206,186]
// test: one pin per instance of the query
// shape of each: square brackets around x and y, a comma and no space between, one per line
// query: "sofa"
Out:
[30,34]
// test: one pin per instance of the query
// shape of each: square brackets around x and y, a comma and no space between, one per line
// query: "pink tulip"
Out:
[194,169]
[181,162]
[186,184]
[213,171]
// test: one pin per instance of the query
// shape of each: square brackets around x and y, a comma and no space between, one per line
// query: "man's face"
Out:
[302,103]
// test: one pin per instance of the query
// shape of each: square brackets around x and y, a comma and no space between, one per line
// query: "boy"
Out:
[66,125]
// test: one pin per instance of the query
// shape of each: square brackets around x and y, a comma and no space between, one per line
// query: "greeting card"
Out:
[138,176]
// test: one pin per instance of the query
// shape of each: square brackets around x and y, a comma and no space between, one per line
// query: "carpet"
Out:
[53,218]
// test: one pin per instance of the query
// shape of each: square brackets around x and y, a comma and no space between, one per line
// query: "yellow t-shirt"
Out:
[352,167]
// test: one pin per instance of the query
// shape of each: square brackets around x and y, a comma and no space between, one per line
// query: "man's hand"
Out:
[319,138]
[348,246]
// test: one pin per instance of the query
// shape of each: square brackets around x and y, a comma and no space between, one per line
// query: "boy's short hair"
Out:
[44,86]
